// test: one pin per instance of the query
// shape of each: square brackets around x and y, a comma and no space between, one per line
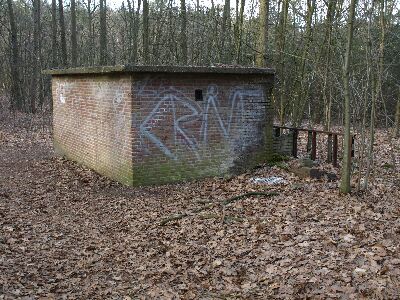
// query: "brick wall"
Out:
[178,137]
[92,122]
[149,128]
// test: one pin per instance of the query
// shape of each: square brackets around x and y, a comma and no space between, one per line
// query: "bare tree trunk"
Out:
[54,48]
[302,87]
[376,91]
[36,82]
[103,33]
[239,32]
[225,25]
[16,97]
[62,32]
[261,56]
[371,134]
[74,42]
[345,186]
[184,53]
[281,44]
[397,122]
[146,54]
[369,65]
[91,44]
[328,44]
[134,24]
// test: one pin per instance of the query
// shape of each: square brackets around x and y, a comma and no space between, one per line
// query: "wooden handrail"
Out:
[312,135]
[311,130]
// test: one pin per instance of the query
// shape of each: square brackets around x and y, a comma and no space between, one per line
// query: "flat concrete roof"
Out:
[220,69]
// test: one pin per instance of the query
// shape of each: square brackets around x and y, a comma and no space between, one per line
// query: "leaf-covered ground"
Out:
[68,233]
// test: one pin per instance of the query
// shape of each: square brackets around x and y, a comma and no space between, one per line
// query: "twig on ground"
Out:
[210,205]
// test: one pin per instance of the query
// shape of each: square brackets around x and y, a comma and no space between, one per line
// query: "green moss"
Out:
[277,158]
[122,173]
[151,171]
[174,171]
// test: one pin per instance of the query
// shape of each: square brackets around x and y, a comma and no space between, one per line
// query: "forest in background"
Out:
[67,232]
[304,41]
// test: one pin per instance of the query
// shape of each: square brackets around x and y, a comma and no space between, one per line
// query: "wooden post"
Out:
[329,158]
[314,146]
[294,147]
[335,150]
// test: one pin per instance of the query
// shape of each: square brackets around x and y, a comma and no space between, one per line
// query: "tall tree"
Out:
[239,30]
[281,33]
[16,97]
[397,118]
[103,33]
[261,56]
[134,29]
[345,186]
[183,37]
[376,88]
[74,42]
[36,97]
[90,10]
[302,87]
[62,33]
[54,48]
[146,54]
[326,47]
[225,25]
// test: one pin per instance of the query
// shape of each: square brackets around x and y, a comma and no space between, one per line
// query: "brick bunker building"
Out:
[150,125]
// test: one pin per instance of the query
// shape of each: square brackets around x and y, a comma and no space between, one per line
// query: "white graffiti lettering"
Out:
[181,114]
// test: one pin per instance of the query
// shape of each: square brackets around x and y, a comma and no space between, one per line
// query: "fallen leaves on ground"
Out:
[66,232]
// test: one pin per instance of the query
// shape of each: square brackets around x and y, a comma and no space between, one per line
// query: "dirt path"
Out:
[67,233]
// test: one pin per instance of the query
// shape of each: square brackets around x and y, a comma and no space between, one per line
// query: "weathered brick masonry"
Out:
[148,125]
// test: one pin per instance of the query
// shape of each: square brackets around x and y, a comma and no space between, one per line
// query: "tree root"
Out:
[210,205]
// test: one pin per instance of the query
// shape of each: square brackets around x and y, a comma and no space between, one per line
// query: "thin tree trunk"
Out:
[345,186]
[103,33]
[327,45]
[239,32]
[397,122]
[371,134]
[183,41]
[376,91]
[281,44]
[302,87]
[362,150]
[54,48]
[146,54]
[74,42]
[16,97]
[36,82]
[62,32]
[134,24]
[225,26]
[91,48]
[261,56]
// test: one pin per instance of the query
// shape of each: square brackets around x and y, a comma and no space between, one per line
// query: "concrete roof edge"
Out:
[222,69]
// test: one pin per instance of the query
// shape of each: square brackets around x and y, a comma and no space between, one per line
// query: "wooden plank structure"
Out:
[332,156]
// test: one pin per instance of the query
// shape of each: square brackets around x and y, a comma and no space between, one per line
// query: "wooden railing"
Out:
[332,155]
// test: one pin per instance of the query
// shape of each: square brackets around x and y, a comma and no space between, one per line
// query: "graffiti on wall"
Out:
[62,88]
[189,124]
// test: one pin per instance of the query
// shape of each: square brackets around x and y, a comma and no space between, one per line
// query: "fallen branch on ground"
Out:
[210,205]
[236,198]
